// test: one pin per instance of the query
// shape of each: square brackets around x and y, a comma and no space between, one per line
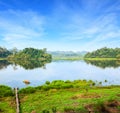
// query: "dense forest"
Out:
[31,54]
[4,52]
[104,53]
[25,54]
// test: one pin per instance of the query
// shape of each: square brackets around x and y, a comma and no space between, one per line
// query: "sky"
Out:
[66,25]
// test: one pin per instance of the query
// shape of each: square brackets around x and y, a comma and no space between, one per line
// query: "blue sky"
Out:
[60,24]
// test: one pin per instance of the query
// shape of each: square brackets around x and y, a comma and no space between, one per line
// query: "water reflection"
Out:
[28,65]
[67,70]
[4,64]
[104,63]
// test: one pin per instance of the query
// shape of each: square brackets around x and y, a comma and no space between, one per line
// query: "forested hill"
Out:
[4,52]
[31,54]
[104,53]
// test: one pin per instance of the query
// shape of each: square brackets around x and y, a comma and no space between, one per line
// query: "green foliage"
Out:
[5,91]
[54,109]
[104,53]
[4,52]
[31,54]
[118,56]
[58,84]
[63,99]
[27,90]
[45,111]
[47,82]
[68,109]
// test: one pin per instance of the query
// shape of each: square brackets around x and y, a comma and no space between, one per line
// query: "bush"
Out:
[27,90]
[65,86]
[67,81]
[45,88]
[5,91]
[47,82]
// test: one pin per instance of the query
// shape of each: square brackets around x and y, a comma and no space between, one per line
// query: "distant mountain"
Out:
[67,53]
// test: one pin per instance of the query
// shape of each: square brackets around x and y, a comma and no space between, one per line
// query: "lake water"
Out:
[14,74]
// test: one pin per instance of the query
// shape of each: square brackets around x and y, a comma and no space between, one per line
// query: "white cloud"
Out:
[19,27]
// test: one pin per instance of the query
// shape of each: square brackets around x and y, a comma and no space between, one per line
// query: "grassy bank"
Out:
[3,58]
[69,96]
[7,100]
[67,58]
[67,100]
[78,96]
[100,59]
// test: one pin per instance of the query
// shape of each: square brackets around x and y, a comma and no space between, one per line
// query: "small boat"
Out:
[26,81]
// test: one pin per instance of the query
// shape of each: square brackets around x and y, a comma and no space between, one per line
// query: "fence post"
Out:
[17,101]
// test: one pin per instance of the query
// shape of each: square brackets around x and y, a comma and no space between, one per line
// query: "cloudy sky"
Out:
[60,24]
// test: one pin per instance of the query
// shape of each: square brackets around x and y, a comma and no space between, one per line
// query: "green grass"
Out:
[3,58]
[7,100]
[100,59]
[7,105]
[65,99]
[67,58]
[61,96]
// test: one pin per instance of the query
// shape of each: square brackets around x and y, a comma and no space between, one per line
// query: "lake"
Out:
[13,74]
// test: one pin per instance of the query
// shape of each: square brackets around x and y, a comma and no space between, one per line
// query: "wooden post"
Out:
[17,101]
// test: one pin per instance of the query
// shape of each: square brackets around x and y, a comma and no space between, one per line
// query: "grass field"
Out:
[7,100]
[78,96]
[73,99]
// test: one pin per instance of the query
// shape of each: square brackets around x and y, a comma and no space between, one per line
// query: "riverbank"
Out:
[67,58]
[3,58]
[64,97]
[100,59]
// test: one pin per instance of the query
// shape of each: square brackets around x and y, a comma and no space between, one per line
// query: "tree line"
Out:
[104,53]
[25,54]
[4,52]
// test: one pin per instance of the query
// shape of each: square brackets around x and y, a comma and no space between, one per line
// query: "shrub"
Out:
[38,87]
[67,81]
[5,91]
[27,90]
[47,82]
[45,88]
[67,86]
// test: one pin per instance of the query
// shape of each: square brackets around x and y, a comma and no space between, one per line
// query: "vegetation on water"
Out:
[63,97]
[104,53]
